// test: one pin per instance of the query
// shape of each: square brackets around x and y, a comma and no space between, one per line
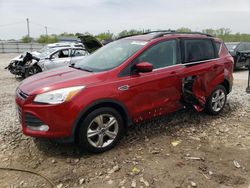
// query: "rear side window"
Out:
[78,52]
[198,50]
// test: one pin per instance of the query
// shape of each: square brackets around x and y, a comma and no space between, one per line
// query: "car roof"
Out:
[165,34]
[69,47]
[63,44]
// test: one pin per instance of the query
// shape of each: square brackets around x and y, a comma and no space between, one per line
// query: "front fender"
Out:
[33,62]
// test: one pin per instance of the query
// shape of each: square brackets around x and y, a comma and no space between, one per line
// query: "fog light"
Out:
[38,128]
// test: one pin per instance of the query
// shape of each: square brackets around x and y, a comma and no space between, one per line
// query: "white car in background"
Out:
[62,56]
[55,46]
[53,56]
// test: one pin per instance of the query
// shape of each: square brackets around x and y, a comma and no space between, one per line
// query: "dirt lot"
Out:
[185,149]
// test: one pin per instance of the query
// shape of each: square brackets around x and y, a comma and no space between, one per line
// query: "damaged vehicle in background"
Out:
[61,57]
[52,56]
[126,82]
[236,49]
[27,65]
[55,46]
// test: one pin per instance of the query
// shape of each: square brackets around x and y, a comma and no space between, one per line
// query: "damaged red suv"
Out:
[126,82]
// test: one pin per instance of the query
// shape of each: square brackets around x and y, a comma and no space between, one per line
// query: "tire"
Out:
[215,104]
[94,125]
[32,70]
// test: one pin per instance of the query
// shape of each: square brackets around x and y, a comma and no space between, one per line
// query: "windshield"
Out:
[110,56]
[231,46]
[45,48]
[46,53]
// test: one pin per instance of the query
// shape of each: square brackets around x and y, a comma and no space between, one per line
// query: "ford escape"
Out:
[126,82]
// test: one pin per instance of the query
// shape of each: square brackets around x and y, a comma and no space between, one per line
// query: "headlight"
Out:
[58,96]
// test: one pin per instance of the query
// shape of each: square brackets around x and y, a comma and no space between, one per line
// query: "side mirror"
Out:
[144,67]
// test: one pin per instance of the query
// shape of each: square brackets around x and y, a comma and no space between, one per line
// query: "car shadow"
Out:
[19,78]
[167,125]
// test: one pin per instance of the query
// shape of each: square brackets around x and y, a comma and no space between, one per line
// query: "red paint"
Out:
[150,94]
[144,67]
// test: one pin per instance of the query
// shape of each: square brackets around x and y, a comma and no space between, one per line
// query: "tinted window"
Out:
[198,50]
[160,55]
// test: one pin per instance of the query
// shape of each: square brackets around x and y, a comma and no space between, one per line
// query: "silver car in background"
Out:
[64,56]
[53,56]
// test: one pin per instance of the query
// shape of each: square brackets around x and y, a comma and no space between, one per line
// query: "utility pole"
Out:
[46,30]
[28,26]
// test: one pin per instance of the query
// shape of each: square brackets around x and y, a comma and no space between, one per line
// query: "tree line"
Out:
[222,33]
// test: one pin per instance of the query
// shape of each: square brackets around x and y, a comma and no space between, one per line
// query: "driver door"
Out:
[59,58]
[158,92]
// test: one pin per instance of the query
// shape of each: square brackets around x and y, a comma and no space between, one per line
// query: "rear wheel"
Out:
[101,130]
[216,101]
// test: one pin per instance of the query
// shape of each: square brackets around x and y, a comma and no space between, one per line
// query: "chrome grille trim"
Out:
[21,94]
[19,113]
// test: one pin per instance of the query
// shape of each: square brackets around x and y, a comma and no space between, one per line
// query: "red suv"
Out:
[126,82]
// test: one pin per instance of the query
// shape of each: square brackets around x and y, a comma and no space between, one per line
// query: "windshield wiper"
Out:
[80,68]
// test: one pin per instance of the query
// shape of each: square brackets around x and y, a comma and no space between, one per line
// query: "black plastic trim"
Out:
[86,110]
[32,120]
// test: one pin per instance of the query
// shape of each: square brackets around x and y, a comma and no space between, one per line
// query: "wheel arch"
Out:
[37,64]
[226,84]
[98,104]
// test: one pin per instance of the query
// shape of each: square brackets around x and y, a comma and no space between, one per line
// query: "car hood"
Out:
[59,78]
[91,43]
[21,56]
[36,53]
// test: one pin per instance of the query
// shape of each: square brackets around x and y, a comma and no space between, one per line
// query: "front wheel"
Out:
[216,101]
[101,130]
[32,70]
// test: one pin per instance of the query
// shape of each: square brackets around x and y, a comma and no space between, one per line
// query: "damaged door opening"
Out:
[193,93]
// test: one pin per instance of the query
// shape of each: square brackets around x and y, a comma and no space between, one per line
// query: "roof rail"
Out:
[125,36]
[176,32]
[161,33]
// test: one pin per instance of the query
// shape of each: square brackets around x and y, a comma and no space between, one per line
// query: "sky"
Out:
[96,16]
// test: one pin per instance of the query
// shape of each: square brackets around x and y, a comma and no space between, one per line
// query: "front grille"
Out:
[31,120]
[21,94]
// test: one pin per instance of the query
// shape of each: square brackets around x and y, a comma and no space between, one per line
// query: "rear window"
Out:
[198,50]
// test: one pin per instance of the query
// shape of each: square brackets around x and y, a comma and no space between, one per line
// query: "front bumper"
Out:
[59,118]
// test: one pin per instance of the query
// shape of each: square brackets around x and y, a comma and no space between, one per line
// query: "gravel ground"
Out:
[184,149]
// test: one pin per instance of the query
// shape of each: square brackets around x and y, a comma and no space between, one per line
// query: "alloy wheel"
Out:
[102,130]
[218,100]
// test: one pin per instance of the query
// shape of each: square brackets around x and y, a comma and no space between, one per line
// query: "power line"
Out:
[10,24]
[48,27]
